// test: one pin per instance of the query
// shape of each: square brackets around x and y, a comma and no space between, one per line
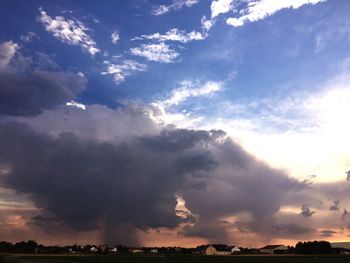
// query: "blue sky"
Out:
[285,43]
[274,76]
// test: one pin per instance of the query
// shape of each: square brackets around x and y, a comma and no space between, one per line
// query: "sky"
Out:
[177,122]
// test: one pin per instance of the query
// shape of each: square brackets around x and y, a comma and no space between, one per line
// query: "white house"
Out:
[218,250]
[235,250]
[271,249]
[93,249]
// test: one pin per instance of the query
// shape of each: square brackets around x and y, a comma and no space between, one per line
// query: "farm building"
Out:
[221,250]
[272,249]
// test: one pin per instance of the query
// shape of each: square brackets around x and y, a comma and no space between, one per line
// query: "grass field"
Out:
[170,259]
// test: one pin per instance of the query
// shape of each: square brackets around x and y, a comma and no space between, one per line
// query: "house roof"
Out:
[271,246]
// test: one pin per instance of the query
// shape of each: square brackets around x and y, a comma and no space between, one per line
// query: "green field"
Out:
[169,259]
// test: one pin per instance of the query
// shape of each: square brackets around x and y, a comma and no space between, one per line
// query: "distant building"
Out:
[136,250]
[154,251]
[218,250]
[272,249]
[93,249]
[113,249]
[235,250]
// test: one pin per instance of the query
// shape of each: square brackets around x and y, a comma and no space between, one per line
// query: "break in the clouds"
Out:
[257,10]
[156,52]
[70,31]
[174,6]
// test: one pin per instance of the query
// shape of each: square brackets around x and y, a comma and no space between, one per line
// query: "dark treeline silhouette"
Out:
[310,247]
[315,247]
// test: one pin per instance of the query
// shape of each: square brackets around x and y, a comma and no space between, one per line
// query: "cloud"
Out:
[70,31]
[220,7]
[7,51]
[29,37]
[190,89]
[335,206]
[78,105]
[115,37]
[207,24]
[156,52]
[25,95]
[174,34]
[327,233]
[345,214]
[306,211]
[123,69]
[260,9]
[174,6]
[129,155]
[116,189]
[25,91]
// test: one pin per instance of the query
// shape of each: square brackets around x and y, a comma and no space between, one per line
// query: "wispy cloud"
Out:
[70,31]
[29,37]
[115,37]
[190,89]
[257,10]
[123,69]
[156,52]
[174,34]
[174,6]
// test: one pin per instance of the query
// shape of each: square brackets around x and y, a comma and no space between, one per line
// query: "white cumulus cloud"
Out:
[174,6]
[72,32]
[258,10]
[75,104]
[156,52]
[220,7]
[123,69]
[115,37]
[7,51]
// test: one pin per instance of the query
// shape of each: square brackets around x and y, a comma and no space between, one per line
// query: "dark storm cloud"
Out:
[86,184]
[27,94]
[27,87]
[113,185]
[306,211]
[239,184]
